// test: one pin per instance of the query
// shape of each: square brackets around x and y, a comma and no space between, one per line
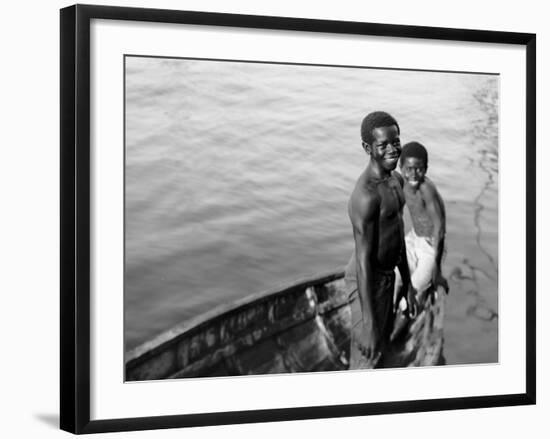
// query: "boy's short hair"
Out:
[416,150]
[376,119]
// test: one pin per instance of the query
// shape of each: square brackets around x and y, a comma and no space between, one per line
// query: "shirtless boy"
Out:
[375,210]
[425,242]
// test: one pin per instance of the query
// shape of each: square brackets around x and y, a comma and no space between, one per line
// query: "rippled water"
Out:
[238,176]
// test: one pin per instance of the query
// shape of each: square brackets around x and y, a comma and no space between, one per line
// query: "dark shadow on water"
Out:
[50,419]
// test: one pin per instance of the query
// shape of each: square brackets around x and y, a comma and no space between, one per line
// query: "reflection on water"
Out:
[472,314]
[238,176]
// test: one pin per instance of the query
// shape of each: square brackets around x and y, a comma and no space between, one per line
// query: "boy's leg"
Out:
[410,246]
[421,278]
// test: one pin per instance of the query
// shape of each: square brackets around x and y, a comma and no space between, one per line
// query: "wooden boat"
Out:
[301,327]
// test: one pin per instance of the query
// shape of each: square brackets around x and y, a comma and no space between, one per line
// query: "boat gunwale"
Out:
[173,335]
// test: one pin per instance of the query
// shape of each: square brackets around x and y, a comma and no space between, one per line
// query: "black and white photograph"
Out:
[290,218]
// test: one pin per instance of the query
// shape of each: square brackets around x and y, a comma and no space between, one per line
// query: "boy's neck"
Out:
[375,171]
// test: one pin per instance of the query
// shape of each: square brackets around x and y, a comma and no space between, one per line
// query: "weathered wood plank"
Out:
[161,365]
[266,357]
[307,346]
[330,295]
[338,324]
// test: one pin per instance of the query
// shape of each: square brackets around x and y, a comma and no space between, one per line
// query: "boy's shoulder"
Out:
[364,193]
[398,177]
[428,189]
[364,199]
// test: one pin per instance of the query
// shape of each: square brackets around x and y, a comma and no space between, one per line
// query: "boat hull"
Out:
[302,327]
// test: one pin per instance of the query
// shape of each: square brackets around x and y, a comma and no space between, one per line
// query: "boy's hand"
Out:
[401,295]
[372,341]
[412,303]
[439,281]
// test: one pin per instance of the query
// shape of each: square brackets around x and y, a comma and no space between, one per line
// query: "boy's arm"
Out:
[407,289]
[435,211]
[364,212]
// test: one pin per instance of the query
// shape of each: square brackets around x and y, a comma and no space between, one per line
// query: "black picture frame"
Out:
[75,217]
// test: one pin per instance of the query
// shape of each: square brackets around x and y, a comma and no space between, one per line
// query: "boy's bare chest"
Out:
[392,199]
[415,201]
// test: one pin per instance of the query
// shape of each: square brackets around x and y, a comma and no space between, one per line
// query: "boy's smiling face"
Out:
[413,170]
[386,147]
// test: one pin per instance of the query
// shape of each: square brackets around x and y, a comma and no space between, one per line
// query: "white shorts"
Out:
[421,259]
